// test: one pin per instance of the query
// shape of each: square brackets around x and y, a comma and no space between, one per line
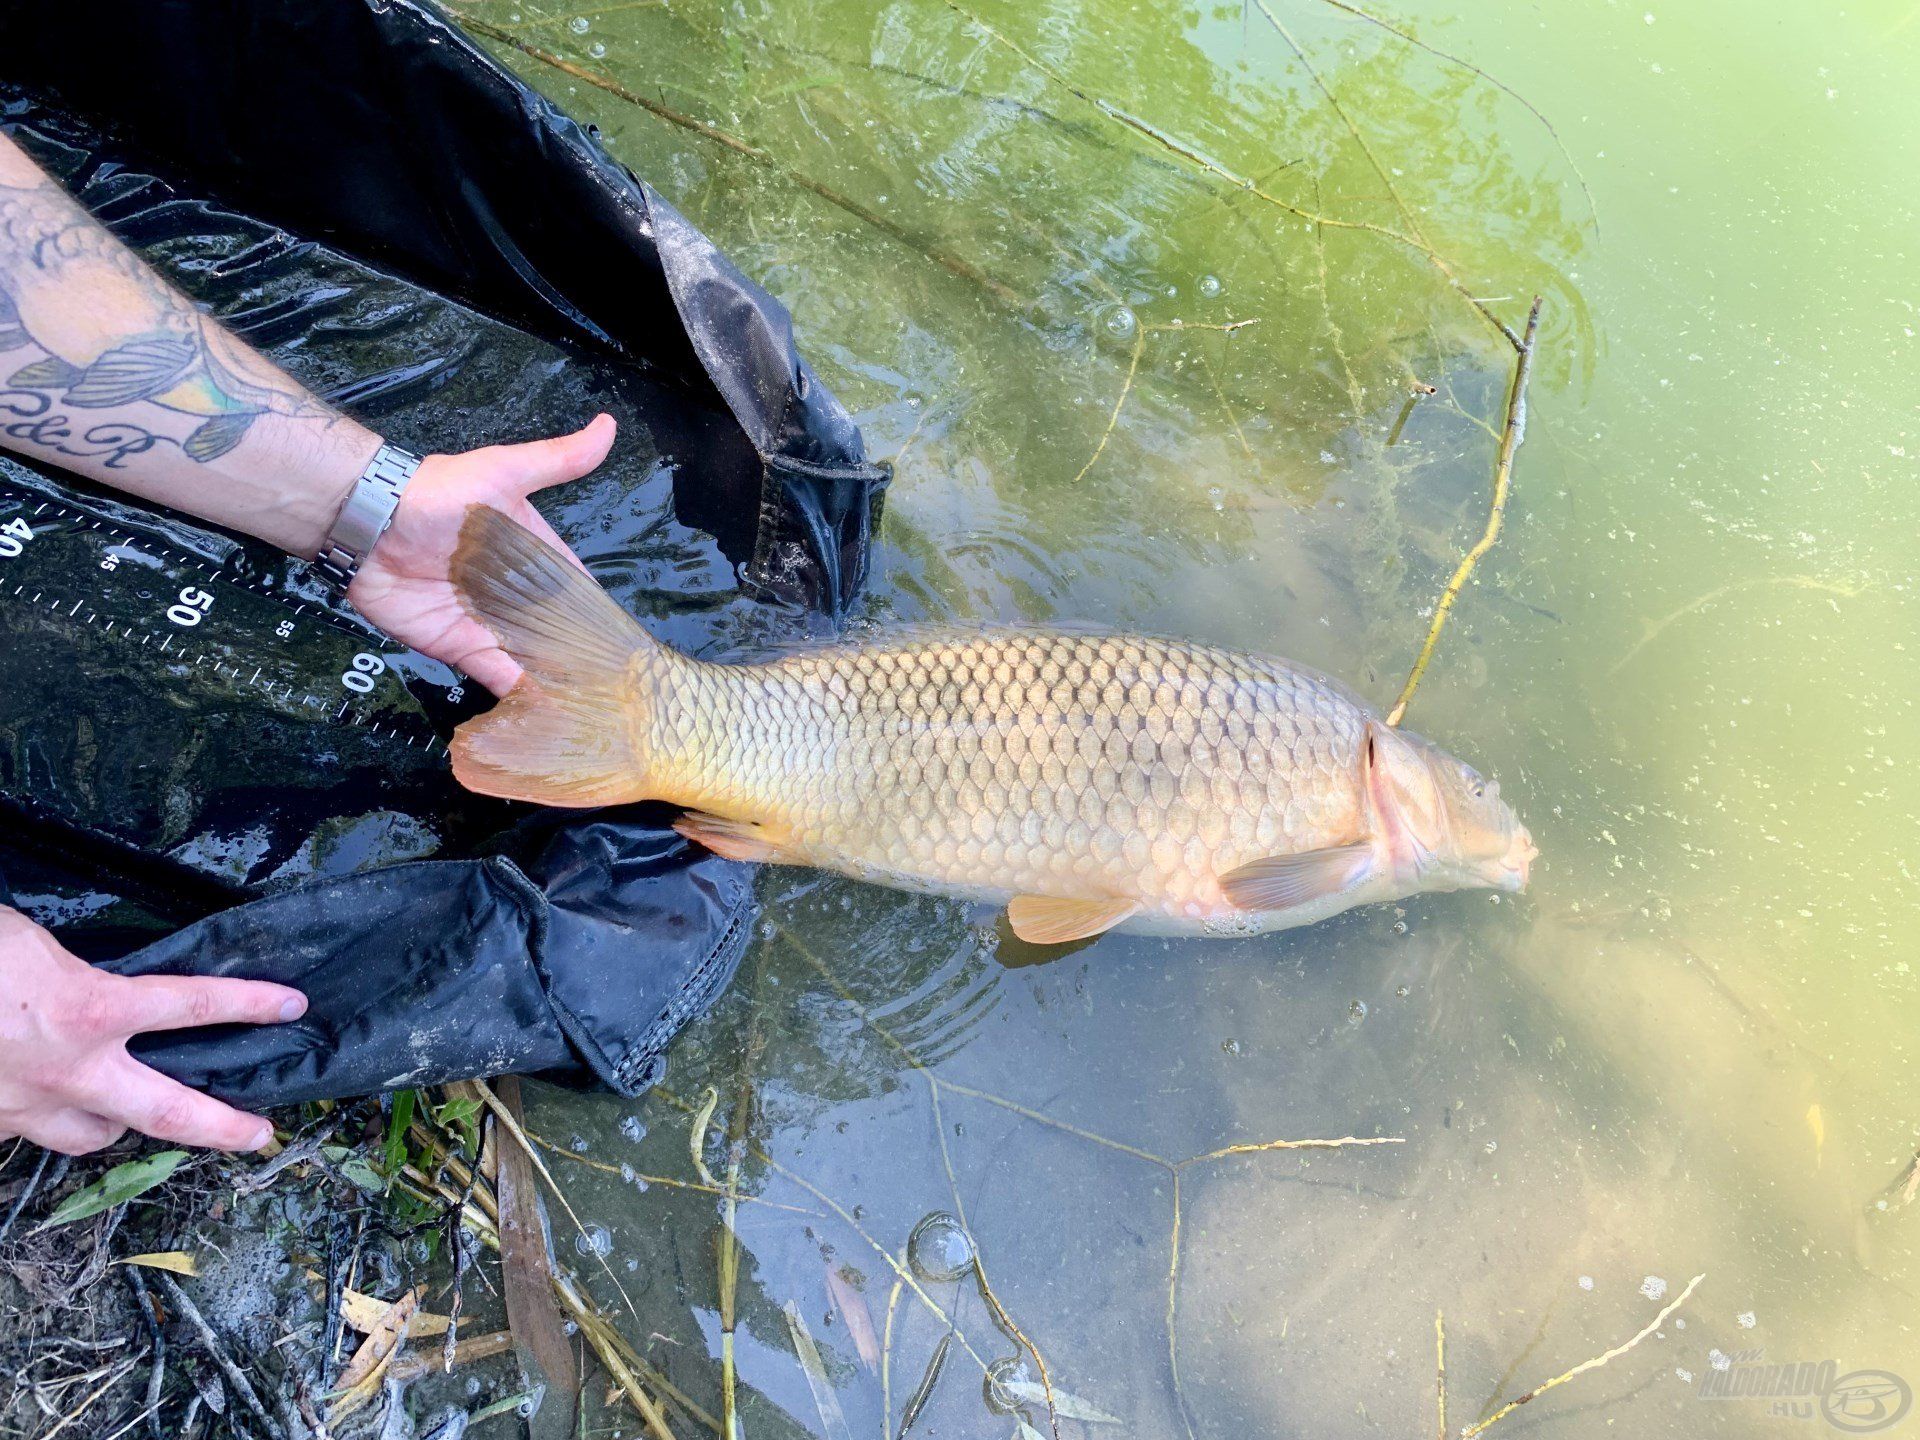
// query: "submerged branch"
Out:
[1510,437]
[1481,1427]
[947,261]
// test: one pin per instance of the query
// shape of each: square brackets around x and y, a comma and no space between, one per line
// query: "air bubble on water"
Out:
[1746,1319]
[1356,1012]
[940,1248]
[1492,1145]
[1399,927]
[473,1386]
[1217,496]
[1586,1282]
[578,25]
[572,1327]
[627,1173]
[594,1240]
[1008,1369]
[1209,285]
[1120,321]
[1404,991]
[633,1263]
[597,50]
[633,1128]
[578,1145]
[1230,1047]
[1719,1359]
[1653,1287]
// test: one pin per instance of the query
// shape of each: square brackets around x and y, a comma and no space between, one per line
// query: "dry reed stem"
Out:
[1510,438]
[1440,1372]
[1481,1427]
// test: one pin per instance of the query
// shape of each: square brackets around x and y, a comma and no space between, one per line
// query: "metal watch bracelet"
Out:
[366,515]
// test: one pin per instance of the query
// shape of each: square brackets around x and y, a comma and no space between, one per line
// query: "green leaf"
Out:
[116,1187]
[398,1119]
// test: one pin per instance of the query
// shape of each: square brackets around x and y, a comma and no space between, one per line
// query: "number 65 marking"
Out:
[360,678]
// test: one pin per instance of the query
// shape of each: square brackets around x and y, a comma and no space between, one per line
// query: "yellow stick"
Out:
[1502,482]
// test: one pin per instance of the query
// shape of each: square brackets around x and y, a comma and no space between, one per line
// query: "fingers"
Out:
[495,669]
[540,463]
[72,1132]
[169,1002]
[147,1101]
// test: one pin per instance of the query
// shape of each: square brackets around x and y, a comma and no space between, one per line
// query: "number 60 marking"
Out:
[360,678]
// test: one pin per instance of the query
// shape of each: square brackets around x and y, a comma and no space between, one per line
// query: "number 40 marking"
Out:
[14,536]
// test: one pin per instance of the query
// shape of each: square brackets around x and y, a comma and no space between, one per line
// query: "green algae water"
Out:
[1181,319]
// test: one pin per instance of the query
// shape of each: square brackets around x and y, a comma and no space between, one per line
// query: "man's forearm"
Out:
[105,369]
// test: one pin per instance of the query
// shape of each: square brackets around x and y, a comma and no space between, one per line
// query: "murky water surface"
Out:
[1163,310]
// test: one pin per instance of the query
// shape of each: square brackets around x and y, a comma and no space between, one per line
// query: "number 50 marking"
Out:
[192,609]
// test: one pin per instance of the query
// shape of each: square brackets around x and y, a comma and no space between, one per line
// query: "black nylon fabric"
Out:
[163,823]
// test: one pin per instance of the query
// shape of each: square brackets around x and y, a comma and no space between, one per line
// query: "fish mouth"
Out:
[1515,866]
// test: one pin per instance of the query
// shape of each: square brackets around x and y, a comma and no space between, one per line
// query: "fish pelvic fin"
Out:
[1285,882]
[1051,920]
[735,839]
[566,734]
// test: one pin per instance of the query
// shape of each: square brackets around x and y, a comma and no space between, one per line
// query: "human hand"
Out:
[66,1079]
[403,586]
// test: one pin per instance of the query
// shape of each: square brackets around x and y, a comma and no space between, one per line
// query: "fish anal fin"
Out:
[213,438]
[734,839]
[1053,920]
[1285,882]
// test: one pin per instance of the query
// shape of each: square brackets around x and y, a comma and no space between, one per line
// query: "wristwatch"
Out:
[366,515]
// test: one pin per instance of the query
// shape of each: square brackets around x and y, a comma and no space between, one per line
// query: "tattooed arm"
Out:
[107,370]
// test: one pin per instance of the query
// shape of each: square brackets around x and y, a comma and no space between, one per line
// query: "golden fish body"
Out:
[1093,781]
[995,765]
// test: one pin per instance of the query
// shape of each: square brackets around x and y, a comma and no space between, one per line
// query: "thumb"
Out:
[540,463]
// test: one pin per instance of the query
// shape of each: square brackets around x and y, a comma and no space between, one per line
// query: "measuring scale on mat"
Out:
[159,683]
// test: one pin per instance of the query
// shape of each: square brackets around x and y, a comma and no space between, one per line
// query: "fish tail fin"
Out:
[567,733]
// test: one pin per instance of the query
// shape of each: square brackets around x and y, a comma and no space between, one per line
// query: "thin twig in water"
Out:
[1440,1371]
[1510,438]
[951,263]
[1126,388]
[1481,1427]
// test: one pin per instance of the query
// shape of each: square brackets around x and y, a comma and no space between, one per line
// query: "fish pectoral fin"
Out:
[47,373]
[735,839]
[1051,920]
[213,438]
[137,370]
[1283,882]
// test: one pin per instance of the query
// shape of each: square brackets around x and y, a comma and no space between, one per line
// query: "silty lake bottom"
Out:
[1163,312]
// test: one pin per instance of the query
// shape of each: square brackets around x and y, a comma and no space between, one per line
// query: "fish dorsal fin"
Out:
[1283,882]
[1051,920]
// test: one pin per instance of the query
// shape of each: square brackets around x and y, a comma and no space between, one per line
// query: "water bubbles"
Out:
[594,1240]
[1653,1287]
[578,25]
[597,50]
[1120,322]
[579,1145]
[1217,496]
[1403,991]
[1492,1146]
[1007,1369]
[627,1173]
[1230,1047]
[633,1129]
[1719,1359]
[1356,1012]
[1746,1319]
[1586,1282]
[940,1248]
[1209,286]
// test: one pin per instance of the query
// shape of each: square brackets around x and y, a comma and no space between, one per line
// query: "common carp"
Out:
[1089,781]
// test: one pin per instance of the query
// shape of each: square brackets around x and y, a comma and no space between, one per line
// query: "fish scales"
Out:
[997,764]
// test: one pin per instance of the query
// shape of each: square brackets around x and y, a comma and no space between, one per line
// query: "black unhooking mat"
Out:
[209,766]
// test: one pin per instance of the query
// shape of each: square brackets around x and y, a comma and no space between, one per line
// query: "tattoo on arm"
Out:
[114,335]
